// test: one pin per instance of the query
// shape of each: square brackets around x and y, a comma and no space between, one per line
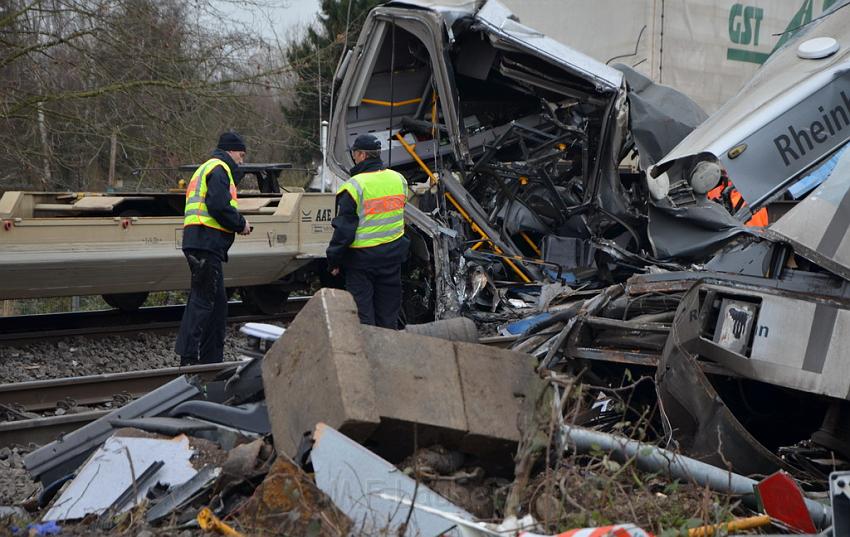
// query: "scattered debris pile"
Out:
[601,224]
[663,368]
[345,429]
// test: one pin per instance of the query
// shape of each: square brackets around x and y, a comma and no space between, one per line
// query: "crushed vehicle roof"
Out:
[501,22]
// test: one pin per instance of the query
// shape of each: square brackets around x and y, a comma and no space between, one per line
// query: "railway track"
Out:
[87,395]
[28,328]
[89,391]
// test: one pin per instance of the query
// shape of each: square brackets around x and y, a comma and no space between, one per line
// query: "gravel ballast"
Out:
[79,356]
[15,483]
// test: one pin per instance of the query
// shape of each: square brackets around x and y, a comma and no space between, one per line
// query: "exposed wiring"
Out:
[637,45]
[392,96]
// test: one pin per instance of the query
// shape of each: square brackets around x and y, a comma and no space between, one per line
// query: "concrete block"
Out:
[416,378]
[370,382]
[495,383]
[318,371]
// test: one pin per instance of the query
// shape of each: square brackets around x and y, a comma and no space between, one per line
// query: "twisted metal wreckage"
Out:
[565,204]
[527,220]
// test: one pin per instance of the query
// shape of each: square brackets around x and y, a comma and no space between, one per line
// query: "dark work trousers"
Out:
[377,293]
[202,330]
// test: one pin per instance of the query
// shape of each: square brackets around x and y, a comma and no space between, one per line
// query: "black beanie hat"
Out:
[366,142]
[230,141]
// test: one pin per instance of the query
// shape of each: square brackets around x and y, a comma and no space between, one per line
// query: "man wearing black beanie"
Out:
[211,221]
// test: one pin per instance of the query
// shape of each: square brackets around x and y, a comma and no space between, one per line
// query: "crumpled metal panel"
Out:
[694,413]
[803,350]
[660,116]
[503,24]
[447,302]
[819,226]
[690,232]
[450,10]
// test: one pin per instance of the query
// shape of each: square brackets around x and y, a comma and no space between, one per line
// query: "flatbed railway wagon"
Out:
[125,245]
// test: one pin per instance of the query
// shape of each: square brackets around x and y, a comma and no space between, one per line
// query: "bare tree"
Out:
[162,77]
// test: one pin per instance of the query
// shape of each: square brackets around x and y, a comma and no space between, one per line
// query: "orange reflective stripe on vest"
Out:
[384,204]
[380,197]
[195,211]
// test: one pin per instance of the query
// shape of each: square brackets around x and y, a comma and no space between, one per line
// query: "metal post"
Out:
[651,458]
[47,177]
[323,139]
[113,155]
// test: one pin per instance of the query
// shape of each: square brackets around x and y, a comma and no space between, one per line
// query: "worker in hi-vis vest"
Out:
[211,221]
[368,243]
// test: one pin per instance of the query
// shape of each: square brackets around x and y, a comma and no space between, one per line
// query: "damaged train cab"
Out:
[525,220]
[778,138]
[747,348]
[510,139]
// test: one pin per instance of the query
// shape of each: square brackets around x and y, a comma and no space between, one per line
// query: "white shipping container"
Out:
[707,49]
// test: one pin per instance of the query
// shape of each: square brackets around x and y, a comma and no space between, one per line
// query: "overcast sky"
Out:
[277,17]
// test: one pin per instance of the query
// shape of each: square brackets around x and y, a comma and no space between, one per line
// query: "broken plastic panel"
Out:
[181,494]
[113,468]
[61,457]
[374,493]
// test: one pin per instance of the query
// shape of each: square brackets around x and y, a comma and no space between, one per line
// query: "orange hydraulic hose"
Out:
[390,103]
[412,153]
[735,525]
[463,213]
[531,243]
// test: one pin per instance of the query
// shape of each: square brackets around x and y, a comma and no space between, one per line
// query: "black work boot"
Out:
[188,360]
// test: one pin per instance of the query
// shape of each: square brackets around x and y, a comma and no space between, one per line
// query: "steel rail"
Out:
[97,389]
[40,395]
[85,391]
[41,431]
[26,328]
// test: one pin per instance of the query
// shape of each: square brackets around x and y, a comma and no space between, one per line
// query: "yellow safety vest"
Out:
[196,213]
[380,198]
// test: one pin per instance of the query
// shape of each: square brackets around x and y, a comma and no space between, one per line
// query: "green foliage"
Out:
[313,59]
[63,304]
[33,306]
